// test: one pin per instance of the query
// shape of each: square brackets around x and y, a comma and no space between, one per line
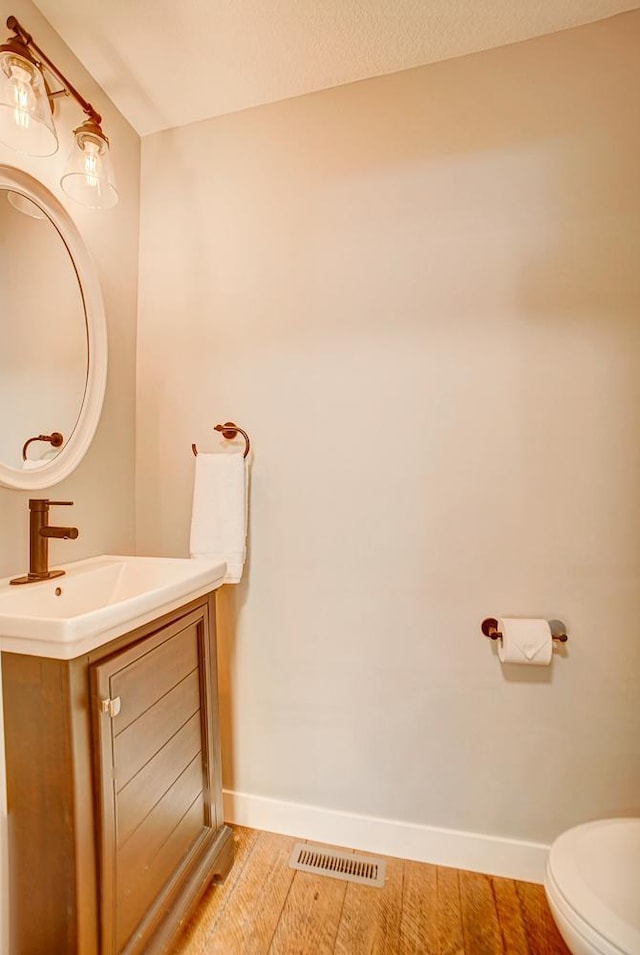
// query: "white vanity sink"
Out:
[98,599]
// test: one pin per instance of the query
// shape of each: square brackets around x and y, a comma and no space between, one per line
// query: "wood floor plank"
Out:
[479,916]
[213,903]
[253,910]
[542,935]
[311,915]
[370,922]
[512,927]
[449,912]
[419,920]
[266,907]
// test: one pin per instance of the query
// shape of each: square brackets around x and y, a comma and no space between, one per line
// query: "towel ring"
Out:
[55,440]
[230,430]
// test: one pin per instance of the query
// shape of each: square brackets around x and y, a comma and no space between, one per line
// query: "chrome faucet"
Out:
[39,533]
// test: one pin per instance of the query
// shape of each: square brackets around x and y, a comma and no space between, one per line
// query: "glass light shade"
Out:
[26,123]
[88,177]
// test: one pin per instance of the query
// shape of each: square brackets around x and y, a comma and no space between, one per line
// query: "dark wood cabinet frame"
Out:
[63,851]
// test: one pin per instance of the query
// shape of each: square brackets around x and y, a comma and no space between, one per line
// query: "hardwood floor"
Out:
[266,907]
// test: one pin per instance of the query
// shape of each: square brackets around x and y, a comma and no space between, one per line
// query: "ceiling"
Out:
[166,65]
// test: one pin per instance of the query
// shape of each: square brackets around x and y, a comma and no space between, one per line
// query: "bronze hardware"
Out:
[39,533]
[230,430]
[490,629]
[56,440]
[22,43]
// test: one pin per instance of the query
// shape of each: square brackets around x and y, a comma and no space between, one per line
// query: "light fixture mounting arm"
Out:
[27,40]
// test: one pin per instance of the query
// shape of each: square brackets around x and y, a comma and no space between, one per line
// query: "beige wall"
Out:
[102,487]
[420,295]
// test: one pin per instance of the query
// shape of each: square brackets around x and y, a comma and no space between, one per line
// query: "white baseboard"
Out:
[493,855]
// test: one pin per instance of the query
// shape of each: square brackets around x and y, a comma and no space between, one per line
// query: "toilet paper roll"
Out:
[526,641]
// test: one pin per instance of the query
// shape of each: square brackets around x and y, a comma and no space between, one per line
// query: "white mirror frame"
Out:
[77,445]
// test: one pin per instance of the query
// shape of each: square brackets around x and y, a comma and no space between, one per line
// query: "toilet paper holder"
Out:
[491,629]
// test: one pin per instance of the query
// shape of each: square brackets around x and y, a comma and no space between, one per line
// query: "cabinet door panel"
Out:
[140,741]
[185,836]
[141,874]
[141,684]
[156,775]
[137,799]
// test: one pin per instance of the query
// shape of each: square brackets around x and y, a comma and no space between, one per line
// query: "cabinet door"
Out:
[155,769]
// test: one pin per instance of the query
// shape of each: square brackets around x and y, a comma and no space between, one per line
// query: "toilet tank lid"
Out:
[596,867]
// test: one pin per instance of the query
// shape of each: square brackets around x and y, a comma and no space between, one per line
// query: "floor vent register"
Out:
[349,866]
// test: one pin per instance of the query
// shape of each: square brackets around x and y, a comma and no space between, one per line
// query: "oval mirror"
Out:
[53,339]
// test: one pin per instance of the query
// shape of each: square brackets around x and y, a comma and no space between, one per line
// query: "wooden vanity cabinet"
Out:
[114,792]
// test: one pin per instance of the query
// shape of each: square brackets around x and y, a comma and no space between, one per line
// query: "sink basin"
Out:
[97,600]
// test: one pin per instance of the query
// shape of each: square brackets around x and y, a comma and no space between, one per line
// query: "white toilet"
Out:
[593,887]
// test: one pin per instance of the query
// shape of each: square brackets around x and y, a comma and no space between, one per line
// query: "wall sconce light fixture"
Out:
[26,121]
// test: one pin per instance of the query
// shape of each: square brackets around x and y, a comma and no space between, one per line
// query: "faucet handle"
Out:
[42,503]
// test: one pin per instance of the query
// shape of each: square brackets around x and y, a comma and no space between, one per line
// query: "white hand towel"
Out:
[219,516]
[31,463]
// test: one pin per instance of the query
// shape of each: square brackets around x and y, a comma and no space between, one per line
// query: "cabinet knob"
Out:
[112,707]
